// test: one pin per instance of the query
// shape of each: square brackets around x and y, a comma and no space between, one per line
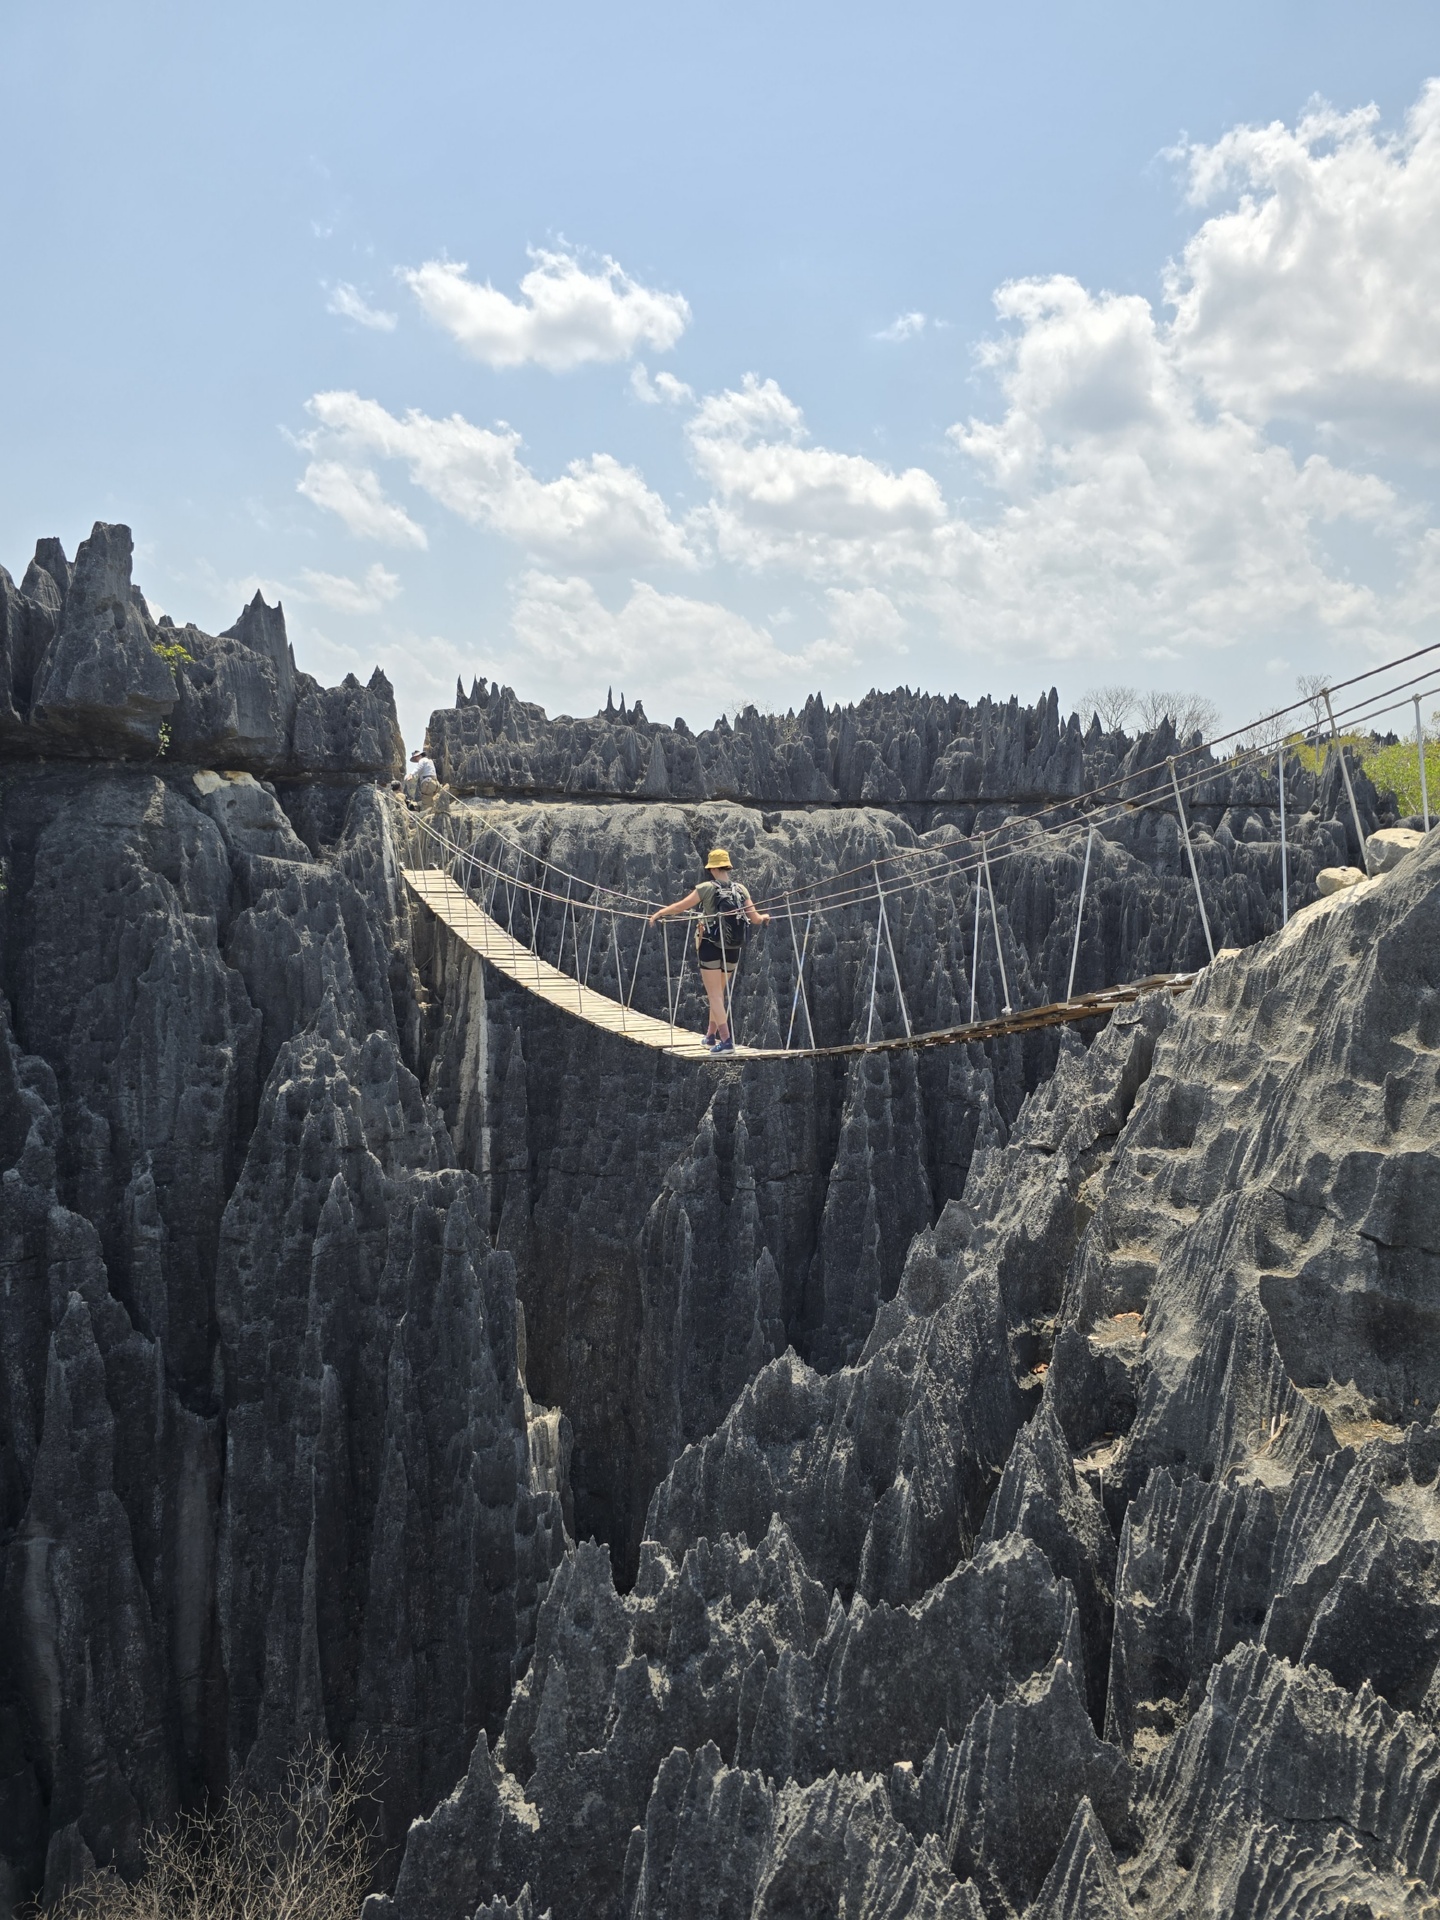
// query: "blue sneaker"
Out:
[727,1045]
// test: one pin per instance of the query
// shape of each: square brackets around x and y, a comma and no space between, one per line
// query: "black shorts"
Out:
[711,955]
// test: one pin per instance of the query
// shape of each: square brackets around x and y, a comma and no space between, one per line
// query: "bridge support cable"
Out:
[1420,749]
[619,972]
[1190,851]
[729,976]
[565,913]
[894,967]
[494,887]
[680,977]
[799,949]
[537,902]
[589,945]
[975,956]
[1284,849]
[635,970]
[1345,774]
[874,982]
[995,923]
[1080,912]
[669,1006]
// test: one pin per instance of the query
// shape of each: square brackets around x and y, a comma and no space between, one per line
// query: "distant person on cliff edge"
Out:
[424,778]
[727,914]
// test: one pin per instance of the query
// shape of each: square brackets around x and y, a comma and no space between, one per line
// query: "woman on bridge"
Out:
[726,915]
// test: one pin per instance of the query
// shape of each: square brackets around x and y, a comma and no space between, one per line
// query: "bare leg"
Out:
[713,979]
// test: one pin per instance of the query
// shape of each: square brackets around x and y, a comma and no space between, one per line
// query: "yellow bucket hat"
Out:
[717,857]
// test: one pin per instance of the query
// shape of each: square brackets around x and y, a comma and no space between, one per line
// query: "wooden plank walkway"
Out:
[471,924]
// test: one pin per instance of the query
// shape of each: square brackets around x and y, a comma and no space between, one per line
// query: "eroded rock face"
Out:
[1214,1229]
[258,1355]
[85,672]
[1003,1480]
[713,1220]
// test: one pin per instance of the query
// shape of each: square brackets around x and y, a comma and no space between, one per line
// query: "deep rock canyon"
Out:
[998,1481]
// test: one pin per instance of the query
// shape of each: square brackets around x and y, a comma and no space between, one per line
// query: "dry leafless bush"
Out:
[1113,705]
[301,1855]
[1188,713]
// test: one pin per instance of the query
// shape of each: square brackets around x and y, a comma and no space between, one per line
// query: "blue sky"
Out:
[1000,347]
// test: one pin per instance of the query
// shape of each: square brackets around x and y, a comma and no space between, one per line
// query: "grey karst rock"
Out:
[92,1606]
[161,947]
[237,692]
[405,1431]
[883,1471]
[27,626]
[1341,1575]
[86,672]
[1288,1794]
[1083,1883]
[1041,1498]
[896,747]
[1000,1800]
[242,704]
[346,730]
[820,1159]
[704,1843]
[720,1841]
[100,687]
[837,1848]
[883,1681]
[251,820]
[932,1415]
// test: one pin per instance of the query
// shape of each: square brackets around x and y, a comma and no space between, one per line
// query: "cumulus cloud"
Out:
[355,494]
[1129,507]
[864,620]
[565,317]
[903,327]
[596,513]
[694,653]
[1317,296]
[663,390]
[367,595]
[778,503]
[1125,493]
[350,304]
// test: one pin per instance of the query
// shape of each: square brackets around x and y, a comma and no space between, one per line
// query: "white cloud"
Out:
[1125,496]
[663,390]
[903,327]
[864,620]
[693,653]
[350,304]
[1129,509]
[367,595]
[355,494]
[780,503]
[1317,296]
[565,317]
[598,512]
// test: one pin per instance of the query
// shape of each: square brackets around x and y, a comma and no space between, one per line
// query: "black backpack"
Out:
[726,924]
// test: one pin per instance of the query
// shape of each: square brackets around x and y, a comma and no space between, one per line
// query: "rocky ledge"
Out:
[85,672]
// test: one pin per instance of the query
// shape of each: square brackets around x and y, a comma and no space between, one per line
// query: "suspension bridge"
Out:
[447,879]
[474,928]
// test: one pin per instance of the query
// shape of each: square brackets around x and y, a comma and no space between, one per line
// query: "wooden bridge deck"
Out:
[471,924]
